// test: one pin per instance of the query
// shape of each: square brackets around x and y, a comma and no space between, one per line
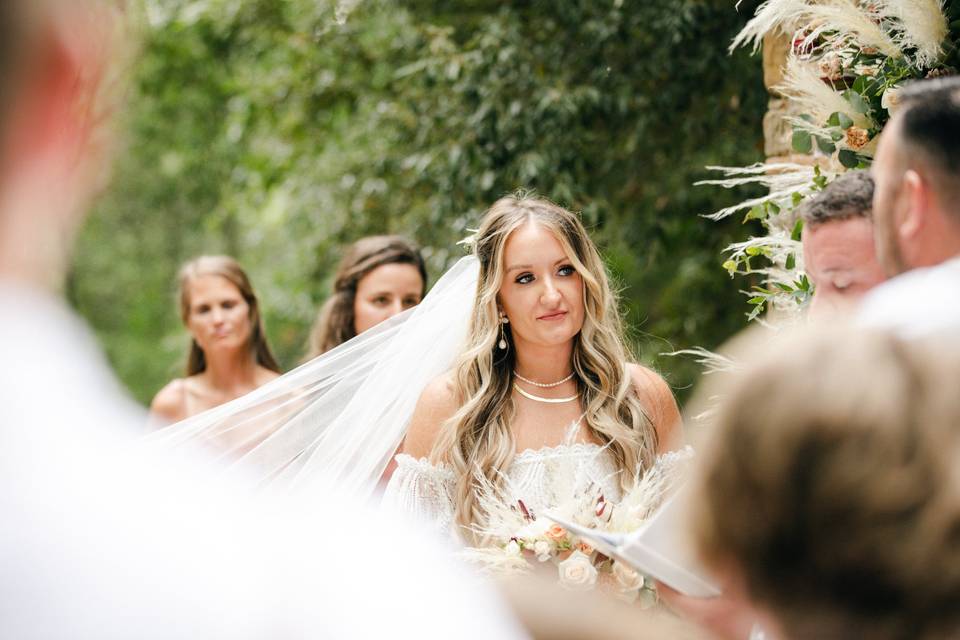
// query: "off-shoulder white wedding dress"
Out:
[541,478]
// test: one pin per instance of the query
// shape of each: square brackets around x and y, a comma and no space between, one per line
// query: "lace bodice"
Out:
[541,478]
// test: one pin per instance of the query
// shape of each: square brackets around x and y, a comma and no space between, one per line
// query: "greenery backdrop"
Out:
[278,130]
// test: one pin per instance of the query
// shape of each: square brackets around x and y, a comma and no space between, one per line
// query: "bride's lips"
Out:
[552,317]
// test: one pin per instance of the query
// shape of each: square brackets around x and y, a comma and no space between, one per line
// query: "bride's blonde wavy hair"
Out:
[477,440]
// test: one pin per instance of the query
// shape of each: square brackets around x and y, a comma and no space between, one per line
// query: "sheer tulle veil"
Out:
[337,420]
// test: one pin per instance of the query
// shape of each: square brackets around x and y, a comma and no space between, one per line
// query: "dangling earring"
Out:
[502,345]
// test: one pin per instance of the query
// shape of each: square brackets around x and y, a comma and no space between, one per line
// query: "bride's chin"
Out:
[554,341]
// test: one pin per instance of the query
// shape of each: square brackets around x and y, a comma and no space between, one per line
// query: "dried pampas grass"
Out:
[803,85]
[782,179]
[911,25]
[924,26]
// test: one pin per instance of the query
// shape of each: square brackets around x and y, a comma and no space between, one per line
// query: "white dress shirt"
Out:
[101,538]
[916,303]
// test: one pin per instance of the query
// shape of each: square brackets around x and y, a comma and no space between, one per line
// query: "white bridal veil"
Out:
[340,417]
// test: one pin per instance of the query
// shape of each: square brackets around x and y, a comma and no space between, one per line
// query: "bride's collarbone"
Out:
[547,426]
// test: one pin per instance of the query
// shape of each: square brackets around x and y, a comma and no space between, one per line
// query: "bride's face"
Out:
[541,293]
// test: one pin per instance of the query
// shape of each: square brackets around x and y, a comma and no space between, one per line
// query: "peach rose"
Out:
[831,67]
[556,533]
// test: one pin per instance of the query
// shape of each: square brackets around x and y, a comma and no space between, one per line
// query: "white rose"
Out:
[627,578]
[891,100]
[513,549]
[577,572]
[535,529]
[543,549]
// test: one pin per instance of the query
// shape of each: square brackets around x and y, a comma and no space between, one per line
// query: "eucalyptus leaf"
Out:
[825,145]
[848,158]
[857,101]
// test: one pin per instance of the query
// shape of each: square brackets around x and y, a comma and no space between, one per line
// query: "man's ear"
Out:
[916,196]
[54,111]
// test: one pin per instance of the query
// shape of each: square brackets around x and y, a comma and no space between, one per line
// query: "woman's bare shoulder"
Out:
[657,398]
[436,405]
[169,405]
[265,375]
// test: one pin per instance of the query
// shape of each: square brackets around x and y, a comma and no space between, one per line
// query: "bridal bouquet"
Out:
[518,540]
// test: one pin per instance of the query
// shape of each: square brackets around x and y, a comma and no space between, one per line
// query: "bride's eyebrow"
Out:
[518,267]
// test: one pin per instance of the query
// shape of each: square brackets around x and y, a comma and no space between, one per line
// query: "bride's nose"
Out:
[550,296]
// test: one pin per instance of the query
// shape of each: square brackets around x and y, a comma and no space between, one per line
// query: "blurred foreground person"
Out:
[550,612]
[838,247]
[917,212]
[101,539]
[828,498]
[229,355]
[378,277]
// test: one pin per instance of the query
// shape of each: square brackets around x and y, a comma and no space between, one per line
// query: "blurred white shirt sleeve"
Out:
[916,303]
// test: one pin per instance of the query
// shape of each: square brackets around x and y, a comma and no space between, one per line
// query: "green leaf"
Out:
[802,142]
[783,287]
[834,119]
[797,232]
[860,84]
[730,266]
[791,262]
[825,145]
[836,134]
[757,300]
[756,213]
[845,121]
[796,198]
[848,158]
[859,104]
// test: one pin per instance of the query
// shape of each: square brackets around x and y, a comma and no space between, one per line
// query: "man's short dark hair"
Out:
[930,125]
[848,196]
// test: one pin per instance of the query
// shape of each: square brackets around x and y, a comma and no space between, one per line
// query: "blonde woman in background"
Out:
[544,384]
[378,277]
[229,355]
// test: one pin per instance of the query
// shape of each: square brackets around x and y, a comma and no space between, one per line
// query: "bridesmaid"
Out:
[378,277]
[229,355]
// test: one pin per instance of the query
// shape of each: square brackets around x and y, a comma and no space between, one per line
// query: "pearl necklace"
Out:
[543,385]
[530,396]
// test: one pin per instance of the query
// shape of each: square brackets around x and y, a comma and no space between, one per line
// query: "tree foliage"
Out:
[278,131]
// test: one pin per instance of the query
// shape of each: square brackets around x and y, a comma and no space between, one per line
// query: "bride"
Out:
[543,386]
[511,374]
